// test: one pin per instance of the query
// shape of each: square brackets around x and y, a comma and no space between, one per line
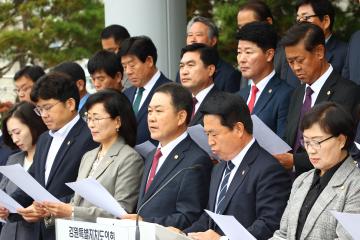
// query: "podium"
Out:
[112,229]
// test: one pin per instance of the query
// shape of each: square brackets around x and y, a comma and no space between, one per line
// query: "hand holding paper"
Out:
[94,192]
[8,202]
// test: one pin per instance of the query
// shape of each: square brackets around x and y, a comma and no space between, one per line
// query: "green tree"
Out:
[224,13]
[47,32]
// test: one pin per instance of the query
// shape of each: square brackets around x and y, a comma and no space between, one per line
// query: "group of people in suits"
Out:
[177,180]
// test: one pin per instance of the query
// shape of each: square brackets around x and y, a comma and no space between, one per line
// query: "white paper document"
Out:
[349,221]
[197,134]
[8,202]
[94,192]
[145,148]
[357,145]
[17,174]
[231,227]
[267,138]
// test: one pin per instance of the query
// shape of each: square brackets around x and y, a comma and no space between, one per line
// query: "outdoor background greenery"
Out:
[47,32]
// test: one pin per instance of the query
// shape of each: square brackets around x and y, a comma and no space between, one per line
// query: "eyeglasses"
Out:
[95,120]
[300,19]
[22,89]
[314,144]
[41,110]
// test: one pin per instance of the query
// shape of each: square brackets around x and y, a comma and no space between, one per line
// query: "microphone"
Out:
[137,229]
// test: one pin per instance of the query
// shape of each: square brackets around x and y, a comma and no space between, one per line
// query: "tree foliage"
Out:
[224,13]
[47,32]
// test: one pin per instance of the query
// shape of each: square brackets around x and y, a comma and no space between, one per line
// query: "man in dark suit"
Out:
[138,57]
[322,14]
[267,96]
[203,30]
[105,70]
[179,201]
[351,69]
[197,69]
[304,45]
[249,183]
[57,157]
[77,74]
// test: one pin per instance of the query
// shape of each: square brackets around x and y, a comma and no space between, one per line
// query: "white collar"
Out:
[263,82]
[149,85]
[202,94]
[317,85]
[240,156]
[165,150]
[62,132]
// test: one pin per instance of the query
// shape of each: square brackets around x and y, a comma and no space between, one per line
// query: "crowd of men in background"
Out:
[278,81]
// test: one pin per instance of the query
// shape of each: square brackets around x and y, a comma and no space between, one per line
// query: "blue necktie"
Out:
[223,187]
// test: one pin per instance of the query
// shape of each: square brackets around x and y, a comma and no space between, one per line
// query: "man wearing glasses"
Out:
[322,14]
[57,157]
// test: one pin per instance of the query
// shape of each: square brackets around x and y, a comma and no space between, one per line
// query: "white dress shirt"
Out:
[260,86]
[147,88]
[201,96]
[58,138]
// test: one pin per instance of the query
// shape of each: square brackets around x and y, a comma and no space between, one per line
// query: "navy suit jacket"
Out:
[335,54]
[335,89]
[256,197]
[273,104]
[182,201]
[351,69]
[64,169]
[227,78]
[198,117]
[143,133]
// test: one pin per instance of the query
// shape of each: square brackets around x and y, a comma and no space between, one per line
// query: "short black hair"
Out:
[117,104]
[261,33]
[180,96]
[231,108]
[208,55]
[115,31]
[55,85]
[32,72]
[140,46]
[311,34]
[321,8]
[260,8]
[24,112]
[74,70]
[105,61]
[333,119]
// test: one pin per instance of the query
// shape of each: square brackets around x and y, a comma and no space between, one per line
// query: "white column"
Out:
[164,21]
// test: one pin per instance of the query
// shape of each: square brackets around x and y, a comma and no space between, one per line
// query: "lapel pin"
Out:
[243,172]
[342,187]
[176,156]
[68,143]
[270,90]
[328,92]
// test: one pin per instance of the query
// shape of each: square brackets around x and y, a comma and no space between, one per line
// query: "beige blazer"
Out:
[341,194]
[120,172]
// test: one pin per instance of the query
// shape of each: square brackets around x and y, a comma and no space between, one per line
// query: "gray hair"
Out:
[213,29]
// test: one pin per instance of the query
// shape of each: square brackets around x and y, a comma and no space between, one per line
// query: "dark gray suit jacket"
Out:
[335,89]
[351,69]
[182,201]
[273,104]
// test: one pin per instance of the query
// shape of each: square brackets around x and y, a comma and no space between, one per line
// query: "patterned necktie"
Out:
[136,103]
[195,101]
[223,187]
[305,108]
[254,91]
[154,165]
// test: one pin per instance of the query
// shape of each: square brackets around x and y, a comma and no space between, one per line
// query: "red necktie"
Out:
[154,165]
[254,91]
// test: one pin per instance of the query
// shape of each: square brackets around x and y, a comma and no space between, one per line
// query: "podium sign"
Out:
[79,230]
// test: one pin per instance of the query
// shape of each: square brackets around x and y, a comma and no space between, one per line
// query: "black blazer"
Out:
[351,69]
[198,117]
[256,197]
[143,133]
[273,104]
[335,89]
[182,201]
[64,169]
